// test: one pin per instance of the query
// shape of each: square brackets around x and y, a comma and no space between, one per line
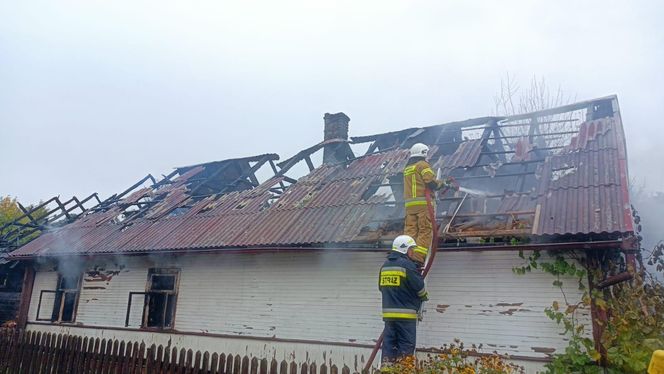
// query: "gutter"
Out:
[604,244]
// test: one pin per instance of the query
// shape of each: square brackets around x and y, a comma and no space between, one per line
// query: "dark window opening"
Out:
[160,298]
[66,299]
[4,280]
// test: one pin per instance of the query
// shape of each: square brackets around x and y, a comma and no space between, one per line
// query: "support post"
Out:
[26,295]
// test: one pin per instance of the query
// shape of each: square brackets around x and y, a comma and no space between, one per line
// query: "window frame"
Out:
[169,294]
[60,299]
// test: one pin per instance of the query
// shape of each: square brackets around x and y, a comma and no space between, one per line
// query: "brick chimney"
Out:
[336,127]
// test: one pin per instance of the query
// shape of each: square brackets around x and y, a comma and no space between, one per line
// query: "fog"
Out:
[94,95]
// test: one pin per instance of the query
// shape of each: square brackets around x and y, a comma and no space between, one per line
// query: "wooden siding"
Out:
[328,297]
[45,279]
[105,290]
[476,297]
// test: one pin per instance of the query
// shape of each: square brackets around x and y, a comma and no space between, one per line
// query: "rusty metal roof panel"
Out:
[466,155]
[580,190]
[222,231]
[585,188]
[35,246]
[183,234]
[119,237]
[596,209]
[151,235]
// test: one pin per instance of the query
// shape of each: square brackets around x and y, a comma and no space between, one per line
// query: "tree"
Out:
[10,211]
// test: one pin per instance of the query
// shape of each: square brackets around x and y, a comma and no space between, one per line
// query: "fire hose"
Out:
[427,266]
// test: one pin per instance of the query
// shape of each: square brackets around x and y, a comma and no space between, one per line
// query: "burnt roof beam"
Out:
[215,174]
[115,197]
[562,109]
[247,174]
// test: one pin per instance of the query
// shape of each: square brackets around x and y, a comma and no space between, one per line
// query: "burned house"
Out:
[251,256]
[29,225]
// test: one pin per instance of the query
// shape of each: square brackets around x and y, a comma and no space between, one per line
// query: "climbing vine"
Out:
[634,311]
[580,355]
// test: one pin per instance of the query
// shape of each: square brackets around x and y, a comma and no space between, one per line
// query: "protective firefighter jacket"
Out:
[402,287]
[417,177]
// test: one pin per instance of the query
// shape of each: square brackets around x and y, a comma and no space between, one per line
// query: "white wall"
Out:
[329,297]
[475,297]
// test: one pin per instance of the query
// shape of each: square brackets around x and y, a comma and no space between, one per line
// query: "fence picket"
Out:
[43,353]
[245,365]
[181,362]
[140,360]
[237,365]
[197,363]
[120,358]
[50,353]
[172,366]
[29,364]
[115,357]
[189,362]
[149,359]
[3,347]
[205,365]
[63,353]
[254,366]
[229,365]
[214,364]
[222,364]
[107,357]
[73,352]
[159,360]
[20,342]
[82,356]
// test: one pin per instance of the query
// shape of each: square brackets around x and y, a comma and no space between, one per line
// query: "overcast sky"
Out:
[96,94]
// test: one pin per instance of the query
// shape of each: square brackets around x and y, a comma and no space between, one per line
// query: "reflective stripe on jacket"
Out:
[402,287]
[416,178]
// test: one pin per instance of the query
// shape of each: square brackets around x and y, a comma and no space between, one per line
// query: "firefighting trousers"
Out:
[399,339]
[418,226]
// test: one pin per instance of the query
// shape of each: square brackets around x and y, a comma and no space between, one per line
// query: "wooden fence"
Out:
[34,352]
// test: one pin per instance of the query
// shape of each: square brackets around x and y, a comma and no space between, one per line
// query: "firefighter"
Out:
[403,291]
[417,178]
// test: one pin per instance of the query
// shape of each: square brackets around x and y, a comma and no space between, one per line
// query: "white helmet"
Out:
[402,243]
[419,150]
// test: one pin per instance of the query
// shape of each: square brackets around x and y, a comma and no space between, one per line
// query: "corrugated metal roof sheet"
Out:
[581,190]
[585,190]
[465,156]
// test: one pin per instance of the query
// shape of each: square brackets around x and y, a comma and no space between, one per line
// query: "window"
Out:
[66,298]
[160,298]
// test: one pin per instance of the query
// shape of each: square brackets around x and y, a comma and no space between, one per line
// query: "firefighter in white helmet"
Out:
[403,291]
[418,177]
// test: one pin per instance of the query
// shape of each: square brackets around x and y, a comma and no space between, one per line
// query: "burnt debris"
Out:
[556,173]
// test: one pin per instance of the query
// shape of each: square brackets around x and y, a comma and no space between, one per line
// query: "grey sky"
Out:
[94,95]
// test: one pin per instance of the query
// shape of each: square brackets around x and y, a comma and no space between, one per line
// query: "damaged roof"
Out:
[541,176]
